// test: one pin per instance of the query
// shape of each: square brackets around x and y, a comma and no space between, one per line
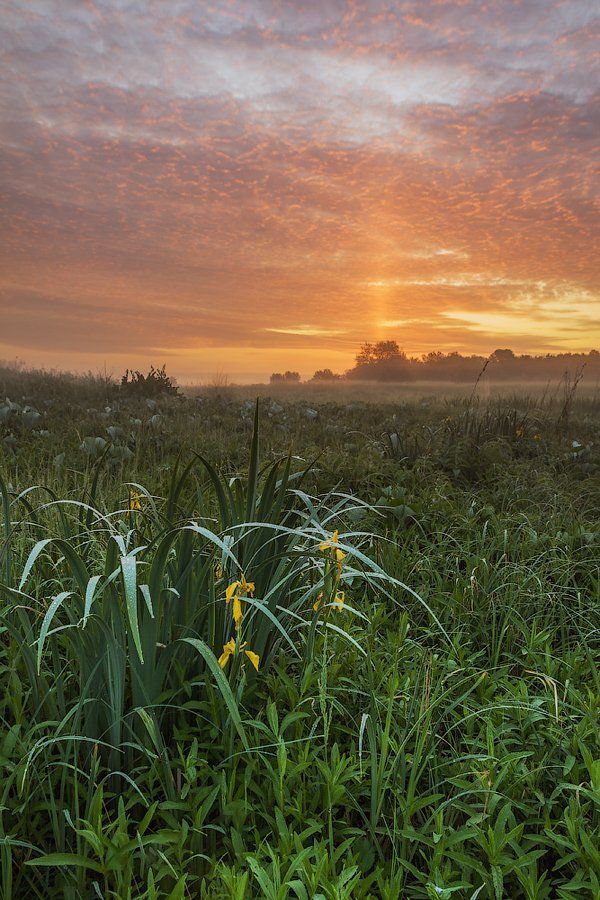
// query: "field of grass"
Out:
[336,646]
[344,391]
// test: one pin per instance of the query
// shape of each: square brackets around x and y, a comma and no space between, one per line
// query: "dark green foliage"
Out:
[155,384]
[439,737]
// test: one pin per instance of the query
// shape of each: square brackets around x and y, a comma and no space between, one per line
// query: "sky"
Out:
[245,187]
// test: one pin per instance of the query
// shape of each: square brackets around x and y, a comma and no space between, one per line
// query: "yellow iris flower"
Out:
[332,548]
[253,657]
[340,599]
[336,552]
[235,591]
[135,502]
[229,649]
[338,602]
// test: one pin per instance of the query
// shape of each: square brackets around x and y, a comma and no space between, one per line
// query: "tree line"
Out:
[386,361]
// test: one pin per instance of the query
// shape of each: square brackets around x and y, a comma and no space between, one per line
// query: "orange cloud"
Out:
[291,181]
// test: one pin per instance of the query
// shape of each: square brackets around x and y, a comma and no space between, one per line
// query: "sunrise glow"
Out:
[242,186]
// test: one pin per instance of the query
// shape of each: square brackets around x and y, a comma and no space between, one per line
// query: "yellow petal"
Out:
[231,591]
[253,657]
[134,500]
[238,615]
[228,650]
[340,599]
[246,587]
[331,543]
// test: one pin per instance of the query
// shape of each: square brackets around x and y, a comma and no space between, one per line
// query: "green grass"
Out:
[436,736]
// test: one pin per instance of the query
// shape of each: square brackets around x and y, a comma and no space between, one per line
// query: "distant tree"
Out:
[287,377]
[325,375]
[434,357]
[383,361]
[385,350]
[365,355]
[502,356]
[379,352]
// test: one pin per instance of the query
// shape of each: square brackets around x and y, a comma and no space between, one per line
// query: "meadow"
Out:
[333,643]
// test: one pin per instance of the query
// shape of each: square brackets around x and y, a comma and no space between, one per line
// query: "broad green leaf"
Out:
[66,859]
[47,620]
[128,567]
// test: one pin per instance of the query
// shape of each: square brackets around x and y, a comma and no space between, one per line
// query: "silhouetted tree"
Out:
[381,351]
[325,375]
[503,356]
[385,361]
[287,377]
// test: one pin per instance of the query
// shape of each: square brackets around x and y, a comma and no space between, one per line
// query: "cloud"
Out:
[307,331]
[189,176]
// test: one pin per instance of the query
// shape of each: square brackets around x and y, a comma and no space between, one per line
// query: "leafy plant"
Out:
[424,718]
[155,384]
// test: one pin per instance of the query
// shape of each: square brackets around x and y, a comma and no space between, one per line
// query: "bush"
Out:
[154,384]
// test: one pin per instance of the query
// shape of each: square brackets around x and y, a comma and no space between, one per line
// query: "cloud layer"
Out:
[226,183]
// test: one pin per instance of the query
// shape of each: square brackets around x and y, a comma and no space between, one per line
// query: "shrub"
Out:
[154,384]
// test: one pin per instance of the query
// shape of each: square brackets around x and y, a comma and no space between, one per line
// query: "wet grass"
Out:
[419,586]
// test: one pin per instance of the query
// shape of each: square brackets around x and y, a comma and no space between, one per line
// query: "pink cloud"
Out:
[201,180]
